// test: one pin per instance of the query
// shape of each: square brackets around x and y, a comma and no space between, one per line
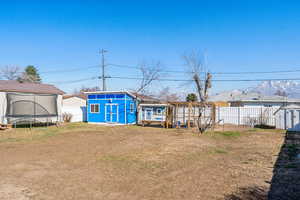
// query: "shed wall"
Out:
[3,104]
[75,106]
[124,114]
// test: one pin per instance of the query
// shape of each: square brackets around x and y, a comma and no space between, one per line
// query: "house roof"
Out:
[81,96]
[147,98]
[241,96]
[272,100]
[37,88]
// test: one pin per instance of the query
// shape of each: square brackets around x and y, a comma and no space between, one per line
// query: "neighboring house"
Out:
[76,106]
[254,99]
[149,113]
[151,110]
[29,102]
[238,98]
[264,101]
[111,107]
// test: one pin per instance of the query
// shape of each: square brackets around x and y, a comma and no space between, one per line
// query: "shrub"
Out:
[67,117]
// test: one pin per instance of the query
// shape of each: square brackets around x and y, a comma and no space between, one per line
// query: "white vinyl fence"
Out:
[256,115]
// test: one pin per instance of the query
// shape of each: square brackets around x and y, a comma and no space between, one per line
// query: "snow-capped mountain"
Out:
[283,88]
[291,89]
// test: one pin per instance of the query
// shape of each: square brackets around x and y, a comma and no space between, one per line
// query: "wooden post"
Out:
[213,115]
[194,113]
[167,117]
[184,114]
[176,116]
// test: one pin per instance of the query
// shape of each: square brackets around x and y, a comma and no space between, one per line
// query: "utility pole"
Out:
[103,70]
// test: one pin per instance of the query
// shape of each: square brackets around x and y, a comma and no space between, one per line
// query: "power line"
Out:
[215,80]
[167,71]
[175,71]
[76,81]
[177,80]
[70,70]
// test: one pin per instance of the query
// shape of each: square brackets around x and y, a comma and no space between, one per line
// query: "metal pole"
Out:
[103,70]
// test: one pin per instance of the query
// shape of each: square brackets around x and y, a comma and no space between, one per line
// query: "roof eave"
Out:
[107,92]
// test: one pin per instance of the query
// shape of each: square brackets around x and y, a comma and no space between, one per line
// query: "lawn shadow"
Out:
[285,183]
[249,193]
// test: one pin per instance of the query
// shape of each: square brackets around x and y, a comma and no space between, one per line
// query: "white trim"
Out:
[125,111]
[131,104]
[150,109]
[154,105]
[87,113]
[112,104]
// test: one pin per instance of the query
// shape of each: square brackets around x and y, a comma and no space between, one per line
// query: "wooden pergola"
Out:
[186,113]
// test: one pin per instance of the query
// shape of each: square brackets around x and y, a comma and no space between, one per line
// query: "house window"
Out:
[131,107]
[158,111]
[94,108]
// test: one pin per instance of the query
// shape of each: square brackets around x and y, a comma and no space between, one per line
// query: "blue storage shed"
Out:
[111,107]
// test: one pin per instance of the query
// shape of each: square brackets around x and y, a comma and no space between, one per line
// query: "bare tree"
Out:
[150,73]
[166,95]
[10,72]
[88,89]
[202,82]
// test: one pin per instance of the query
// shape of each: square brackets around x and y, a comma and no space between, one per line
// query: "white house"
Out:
[29,102]
[76,106]
[265,101]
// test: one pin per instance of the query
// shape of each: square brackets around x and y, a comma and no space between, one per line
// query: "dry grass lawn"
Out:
[82,161]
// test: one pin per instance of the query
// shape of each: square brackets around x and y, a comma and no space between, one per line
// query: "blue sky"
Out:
[235,36]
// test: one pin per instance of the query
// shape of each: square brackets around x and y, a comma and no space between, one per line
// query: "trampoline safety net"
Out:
[31,105]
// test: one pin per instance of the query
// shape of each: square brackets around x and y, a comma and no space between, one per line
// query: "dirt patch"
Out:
[81,161]
[11,191]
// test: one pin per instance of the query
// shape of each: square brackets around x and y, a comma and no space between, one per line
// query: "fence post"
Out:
[218,113]
[261,115]
[189,116]
[213,115]
[285,126]
[239,115]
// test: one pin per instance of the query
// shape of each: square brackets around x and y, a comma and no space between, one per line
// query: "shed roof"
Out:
[112,92]
[36,88]
[288,107]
